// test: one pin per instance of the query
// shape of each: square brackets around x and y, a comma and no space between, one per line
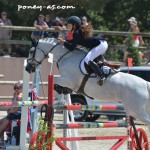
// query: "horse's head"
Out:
[39,51]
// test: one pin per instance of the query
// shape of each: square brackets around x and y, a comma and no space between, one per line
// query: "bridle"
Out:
[45,55]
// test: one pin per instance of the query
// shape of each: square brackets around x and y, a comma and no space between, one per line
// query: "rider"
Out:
[82,36]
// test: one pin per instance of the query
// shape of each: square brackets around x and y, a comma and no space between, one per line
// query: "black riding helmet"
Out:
[74,20]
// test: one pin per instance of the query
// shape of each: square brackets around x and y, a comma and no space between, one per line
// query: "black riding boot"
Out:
[95,68]
[98,71]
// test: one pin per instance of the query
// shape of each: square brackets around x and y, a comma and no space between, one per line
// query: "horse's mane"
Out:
[46,40]
[81,49]
[49,40]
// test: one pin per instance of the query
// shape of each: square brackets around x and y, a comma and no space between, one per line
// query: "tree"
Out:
[107,15]
[25,17]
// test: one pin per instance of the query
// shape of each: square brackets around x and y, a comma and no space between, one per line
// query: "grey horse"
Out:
[128,89]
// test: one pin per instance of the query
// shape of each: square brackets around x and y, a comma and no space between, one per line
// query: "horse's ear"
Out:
[34,42]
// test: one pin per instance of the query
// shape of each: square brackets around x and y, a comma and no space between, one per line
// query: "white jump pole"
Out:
[24,114]
[35,84]
[1,75]
[74,133]
[66,132]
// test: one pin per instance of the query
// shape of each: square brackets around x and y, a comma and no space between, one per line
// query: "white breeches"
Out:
[96,51]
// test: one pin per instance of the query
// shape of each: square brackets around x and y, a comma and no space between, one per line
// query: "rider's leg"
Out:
[95,68]
[96,51]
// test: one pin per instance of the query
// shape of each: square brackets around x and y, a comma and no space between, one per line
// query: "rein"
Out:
[53,47]
[63,56]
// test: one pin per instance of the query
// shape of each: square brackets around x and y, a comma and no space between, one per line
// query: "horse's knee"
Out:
[67,90]
[58,88]
[62,90]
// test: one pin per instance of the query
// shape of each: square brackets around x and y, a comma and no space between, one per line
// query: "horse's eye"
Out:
[31,50]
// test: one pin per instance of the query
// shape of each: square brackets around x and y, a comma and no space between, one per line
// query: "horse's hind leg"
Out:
[101,61]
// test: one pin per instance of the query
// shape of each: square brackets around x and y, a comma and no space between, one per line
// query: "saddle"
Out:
[101,61]
[111,65]
[101,68]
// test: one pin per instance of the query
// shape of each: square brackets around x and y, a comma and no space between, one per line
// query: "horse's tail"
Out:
[148,88]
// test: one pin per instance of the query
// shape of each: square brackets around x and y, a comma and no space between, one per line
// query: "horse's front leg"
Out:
[61,85]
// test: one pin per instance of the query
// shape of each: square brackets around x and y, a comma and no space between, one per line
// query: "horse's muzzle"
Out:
[30,68]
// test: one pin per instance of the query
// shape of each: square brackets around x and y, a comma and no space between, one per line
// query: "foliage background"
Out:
[108,15]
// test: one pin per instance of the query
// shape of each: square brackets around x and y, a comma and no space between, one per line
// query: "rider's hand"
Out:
[61,41]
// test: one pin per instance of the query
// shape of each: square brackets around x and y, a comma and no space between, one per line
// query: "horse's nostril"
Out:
[27,69]
[30,68]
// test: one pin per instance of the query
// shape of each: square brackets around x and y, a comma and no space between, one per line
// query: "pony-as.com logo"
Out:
[50,7]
